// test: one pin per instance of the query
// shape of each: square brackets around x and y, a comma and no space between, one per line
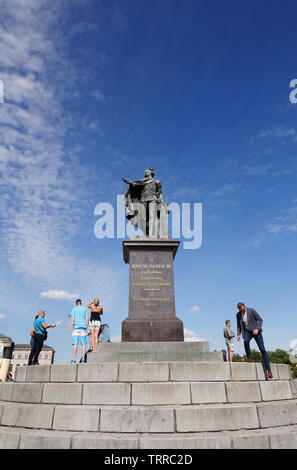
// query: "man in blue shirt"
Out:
[79,328]
[39,329]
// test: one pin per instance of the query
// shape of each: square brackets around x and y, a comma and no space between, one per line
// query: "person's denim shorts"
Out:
[79,337]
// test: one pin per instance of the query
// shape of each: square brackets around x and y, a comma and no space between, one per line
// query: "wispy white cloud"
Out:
[99,96]
[190,335]
[194,308]
[116,339]
[257,170]
[2,316]
[59,295]
[281,225]
[226,189]
[39,209]
[278,133]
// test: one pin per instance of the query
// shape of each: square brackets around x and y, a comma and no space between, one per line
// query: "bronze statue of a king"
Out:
[145,206]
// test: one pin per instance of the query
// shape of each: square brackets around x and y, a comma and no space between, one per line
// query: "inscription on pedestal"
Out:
[151,292]
[151,284]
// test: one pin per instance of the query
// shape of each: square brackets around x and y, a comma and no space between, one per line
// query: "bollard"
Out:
[6,350]
[224,353]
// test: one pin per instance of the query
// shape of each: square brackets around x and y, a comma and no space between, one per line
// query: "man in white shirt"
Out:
[249,323]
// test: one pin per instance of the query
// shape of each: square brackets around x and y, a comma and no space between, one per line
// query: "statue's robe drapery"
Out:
[135,202]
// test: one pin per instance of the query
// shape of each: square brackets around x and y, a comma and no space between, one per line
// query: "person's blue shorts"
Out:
[79,336]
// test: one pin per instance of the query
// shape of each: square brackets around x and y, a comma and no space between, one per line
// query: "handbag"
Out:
[43,333]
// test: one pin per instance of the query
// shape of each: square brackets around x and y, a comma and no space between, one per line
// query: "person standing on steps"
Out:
[229,335]
[95,322]
[39,336]
[79,328]
[249,324]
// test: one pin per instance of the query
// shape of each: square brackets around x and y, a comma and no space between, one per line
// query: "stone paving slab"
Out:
[38,373]
[251,440]
[27,392]
[9,438]
[105,441]
[161,393]
[20,374]
[107,394]
[283,438]
[26,415]
[62,393]
[293,384]
[6,389]
[45,440]
[63,373]
[208,392]
[243,371]
[98,372]
[144,372]
[76,418]
[206,418]
[186,441]
[278,390]
[137,419]
[277,413]
[187,371]
[284,371]
[240,392]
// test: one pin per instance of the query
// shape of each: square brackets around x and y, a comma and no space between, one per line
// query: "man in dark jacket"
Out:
[249,323]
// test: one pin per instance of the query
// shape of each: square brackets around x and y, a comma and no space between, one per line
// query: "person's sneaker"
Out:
[269,373]
[73,362]
[83,362]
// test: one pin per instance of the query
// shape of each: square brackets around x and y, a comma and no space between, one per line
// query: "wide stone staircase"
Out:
[149,405]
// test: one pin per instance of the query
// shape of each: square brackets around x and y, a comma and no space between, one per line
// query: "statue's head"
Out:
[149,172]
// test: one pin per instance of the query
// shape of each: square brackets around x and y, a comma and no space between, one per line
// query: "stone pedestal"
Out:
[151,291]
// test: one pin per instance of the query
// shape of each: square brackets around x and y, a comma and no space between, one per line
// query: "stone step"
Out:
[150,372]
[170,347]
[147,393]
[149,419]
[98,358]
[163,351]
[284,437]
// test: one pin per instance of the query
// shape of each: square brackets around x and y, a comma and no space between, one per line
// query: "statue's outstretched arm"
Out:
[127,181]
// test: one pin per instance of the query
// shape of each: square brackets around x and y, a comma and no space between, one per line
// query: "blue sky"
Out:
[99,90]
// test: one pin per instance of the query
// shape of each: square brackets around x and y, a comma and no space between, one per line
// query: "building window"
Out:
[46,356]
[19,356]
